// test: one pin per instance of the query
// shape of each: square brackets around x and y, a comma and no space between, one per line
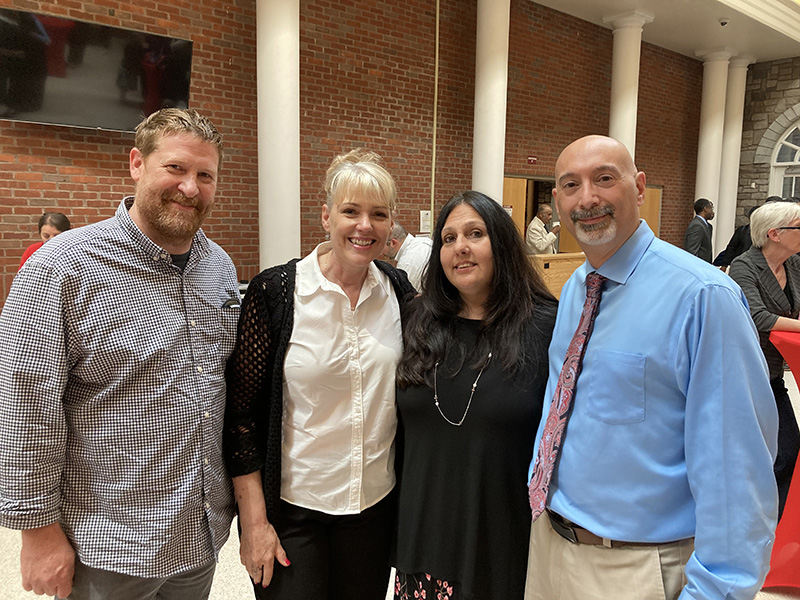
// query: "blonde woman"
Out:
[311,415]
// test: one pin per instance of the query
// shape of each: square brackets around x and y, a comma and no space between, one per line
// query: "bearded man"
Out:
[115,338]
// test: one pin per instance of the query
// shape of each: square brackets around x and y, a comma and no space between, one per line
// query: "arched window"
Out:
[785,177]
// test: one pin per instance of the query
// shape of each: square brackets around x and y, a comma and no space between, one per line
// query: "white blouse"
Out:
[339,416]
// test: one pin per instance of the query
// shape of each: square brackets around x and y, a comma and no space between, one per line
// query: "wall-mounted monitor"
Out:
[67,72]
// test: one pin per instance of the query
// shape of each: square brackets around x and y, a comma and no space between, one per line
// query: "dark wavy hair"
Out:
[516,289]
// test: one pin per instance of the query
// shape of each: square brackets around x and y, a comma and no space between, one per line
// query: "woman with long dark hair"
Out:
[470,392]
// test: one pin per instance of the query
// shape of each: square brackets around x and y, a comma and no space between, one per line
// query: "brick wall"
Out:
[668,126]
[559,90]
[84,173]
[366,78]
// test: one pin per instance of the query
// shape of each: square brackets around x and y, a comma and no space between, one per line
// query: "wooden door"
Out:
[515,197]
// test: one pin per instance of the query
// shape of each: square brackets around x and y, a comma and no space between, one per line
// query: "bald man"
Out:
[663,487]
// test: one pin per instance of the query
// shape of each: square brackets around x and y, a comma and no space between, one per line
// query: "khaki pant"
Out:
[561,570]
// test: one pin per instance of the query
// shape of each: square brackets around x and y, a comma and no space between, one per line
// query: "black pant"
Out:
[788,441]
[334,557]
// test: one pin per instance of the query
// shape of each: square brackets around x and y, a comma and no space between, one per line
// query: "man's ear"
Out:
[641,185]
[136,163]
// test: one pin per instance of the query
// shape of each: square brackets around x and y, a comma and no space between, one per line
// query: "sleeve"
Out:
[732,250]
[693,238]
[730,442]
[743,273]
[33,380]
[248,379]
[538,239]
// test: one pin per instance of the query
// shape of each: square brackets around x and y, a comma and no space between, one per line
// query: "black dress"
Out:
[464,516]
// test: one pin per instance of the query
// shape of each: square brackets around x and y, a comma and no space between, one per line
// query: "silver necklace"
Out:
[471,394]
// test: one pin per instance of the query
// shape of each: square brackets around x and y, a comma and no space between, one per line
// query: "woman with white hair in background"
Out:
[769,275]
[311,417]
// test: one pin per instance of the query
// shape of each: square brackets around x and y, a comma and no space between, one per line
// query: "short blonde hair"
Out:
[771,216]
[359,172]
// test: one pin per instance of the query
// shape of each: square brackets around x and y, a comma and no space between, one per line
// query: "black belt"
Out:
[578,535]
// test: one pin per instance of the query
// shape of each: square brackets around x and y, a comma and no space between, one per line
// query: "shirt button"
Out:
[208,505]
[205,461]
[163,256]
[155,257]
[191,322]
[199,369]
[206,414]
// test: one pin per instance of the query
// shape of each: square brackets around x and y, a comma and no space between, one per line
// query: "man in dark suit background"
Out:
[698,234]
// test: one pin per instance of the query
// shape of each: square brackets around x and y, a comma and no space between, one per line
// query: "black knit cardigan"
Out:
[254,377]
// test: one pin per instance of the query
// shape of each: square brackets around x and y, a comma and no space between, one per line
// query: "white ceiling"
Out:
[761,29]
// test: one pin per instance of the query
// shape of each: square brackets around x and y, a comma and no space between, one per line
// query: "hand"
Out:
[259,548]
[556,228]
[47,561]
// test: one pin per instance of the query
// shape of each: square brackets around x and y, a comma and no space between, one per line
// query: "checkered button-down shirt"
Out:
[112,394]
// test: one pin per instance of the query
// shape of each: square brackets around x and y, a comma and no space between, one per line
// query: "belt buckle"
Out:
[561,528]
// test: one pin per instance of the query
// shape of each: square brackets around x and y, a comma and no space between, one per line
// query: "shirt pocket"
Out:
[616,389]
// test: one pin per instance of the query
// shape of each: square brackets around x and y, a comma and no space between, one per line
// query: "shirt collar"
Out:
[621,265]
[310,277]
[702,218]
[200,247]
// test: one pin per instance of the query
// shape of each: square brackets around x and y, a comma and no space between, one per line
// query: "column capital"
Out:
[743,61]
[625,20]
[716,54]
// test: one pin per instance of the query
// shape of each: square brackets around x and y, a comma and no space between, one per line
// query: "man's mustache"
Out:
[591,213]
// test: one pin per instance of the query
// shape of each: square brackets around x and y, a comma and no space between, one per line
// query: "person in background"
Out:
[652,476]
[50,225]
[470,392]
[115,338]
[739,243]
[311,416]
[537,238]
[769,275]
[697,240]
[411,253]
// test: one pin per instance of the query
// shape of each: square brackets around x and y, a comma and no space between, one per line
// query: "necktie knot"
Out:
[594,284]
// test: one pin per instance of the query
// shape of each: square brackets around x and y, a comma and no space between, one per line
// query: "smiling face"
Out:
[359,228]
[466,256]
[598,194]
[175,188]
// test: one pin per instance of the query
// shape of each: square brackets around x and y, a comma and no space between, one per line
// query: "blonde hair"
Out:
[359,172]
[172,121]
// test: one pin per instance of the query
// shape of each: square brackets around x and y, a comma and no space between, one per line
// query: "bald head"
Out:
[595,145]
[598,193]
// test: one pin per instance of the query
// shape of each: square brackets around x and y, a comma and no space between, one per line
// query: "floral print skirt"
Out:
[411,586]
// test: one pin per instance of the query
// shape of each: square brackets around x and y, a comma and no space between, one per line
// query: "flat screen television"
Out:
[68,72]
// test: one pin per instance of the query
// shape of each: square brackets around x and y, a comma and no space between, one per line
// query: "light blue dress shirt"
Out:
[673,429]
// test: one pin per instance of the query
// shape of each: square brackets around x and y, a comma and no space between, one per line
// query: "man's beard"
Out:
[595,234]
[171,222]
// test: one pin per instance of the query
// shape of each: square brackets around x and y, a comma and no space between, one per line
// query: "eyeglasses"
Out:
[789,227]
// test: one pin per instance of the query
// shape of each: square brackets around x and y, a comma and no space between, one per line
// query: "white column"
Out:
[278,89]
[712,123]
[625,76]
[491,82]
[731,149]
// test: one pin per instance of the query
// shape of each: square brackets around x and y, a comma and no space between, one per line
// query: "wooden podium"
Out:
[555,269]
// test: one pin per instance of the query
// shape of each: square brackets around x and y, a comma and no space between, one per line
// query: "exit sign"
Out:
[532,160]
